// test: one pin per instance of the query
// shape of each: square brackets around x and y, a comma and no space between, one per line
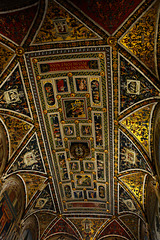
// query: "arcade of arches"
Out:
[79,120]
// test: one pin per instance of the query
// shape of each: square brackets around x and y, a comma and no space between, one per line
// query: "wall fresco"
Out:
[12,198]
[134,87]
[158,50]
[27,235]
[7,214]
[138,123]
[152,206]
[4,147]
[60,25]
[139,40]
[31,227]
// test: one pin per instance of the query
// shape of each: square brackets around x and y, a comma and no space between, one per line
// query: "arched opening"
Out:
[30,229]
[3,148]
[152,211]
[27,235]
[156,141]
[11,206]
[113,238]
[61,236]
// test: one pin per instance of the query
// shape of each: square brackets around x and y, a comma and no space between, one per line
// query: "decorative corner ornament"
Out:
[72,94]
[101,56]
[19,51]
[34,60]
[102,74]
[38,77]
[112,41]
[58,97]
[70,74]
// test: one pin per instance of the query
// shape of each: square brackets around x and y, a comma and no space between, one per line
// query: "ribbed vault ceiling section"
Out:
[77,107]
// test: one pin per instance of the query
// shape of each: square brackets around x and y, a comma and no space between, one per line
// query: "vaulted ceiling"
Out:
[78,99]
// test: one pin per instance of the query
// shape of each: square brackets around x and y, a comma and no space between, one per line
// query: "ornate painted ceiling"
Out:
[78,95]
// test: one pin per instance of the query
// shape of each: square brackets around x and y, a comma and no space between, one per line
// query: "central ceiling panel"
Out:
[75,114]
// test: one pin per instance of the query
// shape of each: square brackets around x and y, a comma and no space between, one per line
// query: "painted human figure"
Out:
[56,131]
[68,131]
[63,167]
[61,85]
[86,130]
[81,84]
[101,192]
[95,91]
[98,129]
[49,94]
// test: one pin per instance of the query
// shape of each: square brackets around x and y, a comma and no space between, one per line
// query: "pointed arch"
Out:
[156,140]
[12,202]
[4,150]
[30,229]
